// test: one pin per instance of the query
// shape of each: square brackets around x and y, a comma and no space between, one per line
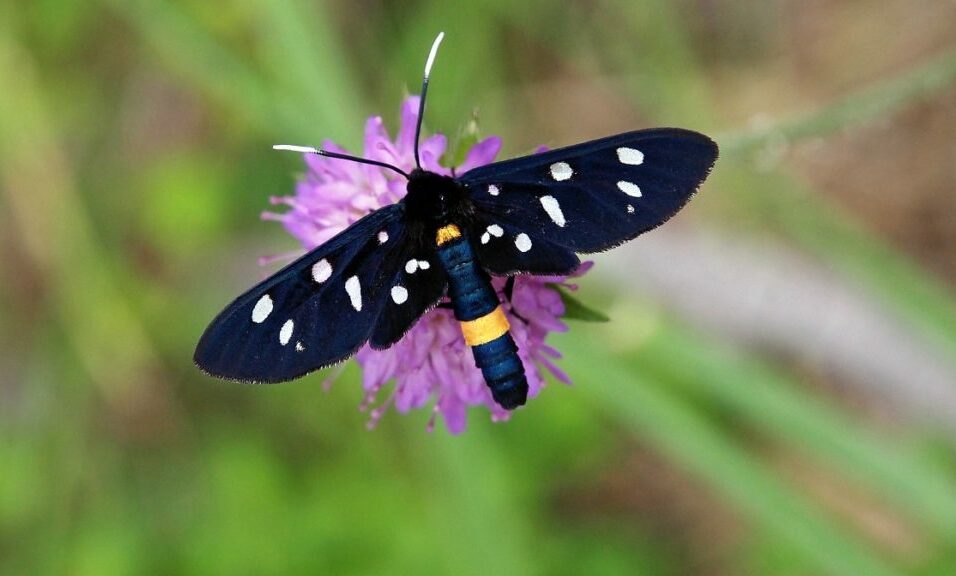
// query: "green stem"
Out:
[881,100]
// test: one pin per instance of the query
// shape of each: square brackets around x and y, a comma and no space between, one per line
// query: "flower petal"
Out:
[482,153]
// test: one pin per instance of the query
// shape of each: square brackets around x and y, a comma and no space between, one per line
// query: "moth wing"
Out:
[417,288]
[316,311]
[594,196]
[504,249]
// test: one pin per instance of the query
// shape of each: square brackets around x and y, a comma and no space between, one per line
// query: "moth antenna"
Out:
[421,102]
[326,153]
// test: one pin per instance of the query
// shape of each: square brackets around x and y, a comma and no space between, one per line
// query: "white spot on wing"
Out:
[321,271]
[299,347]
[523,242]
[561,171]
[551,206]
[382,237]
[485,238]
[411,266]
[262,309]
[354,289]
[629,188]
[630,156]
[285,333]
[399,294]
[630,209]
[493,190]
[424,265]
[496,231]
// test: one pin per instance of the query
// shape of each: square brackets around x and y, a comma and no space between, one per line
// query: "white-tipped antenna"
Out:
[326,153]
[432,54]
[291,148]
[421,102]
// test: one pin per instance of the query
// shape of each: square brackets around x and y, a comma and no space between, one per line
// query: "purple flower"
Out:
[431,361]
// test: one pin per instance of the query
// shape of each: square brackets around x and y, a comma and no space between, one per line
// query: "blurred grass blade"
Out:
[700,447]
[831,234]
[188,50]
[767,400]
[490,534]
[810,220]
[313,65]
[867,105]
[663,74]
[54,226]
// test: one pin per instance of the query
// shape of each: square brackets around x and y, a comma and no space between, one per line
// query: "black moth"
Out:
[528,215]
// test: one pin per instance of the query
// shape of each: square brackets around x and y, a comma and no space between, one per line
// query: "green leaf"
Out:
[574,309]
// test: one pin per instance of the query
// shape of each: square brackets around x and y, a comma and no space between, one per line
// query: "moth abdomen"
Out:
[483,322]
[503,370]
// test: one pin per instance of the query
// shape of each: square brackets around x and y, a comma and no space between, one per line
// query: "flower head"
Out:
[432,360]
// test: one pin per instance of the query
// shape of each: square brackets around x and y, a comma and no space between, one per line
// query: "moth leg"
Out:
[509,291]
[509,288]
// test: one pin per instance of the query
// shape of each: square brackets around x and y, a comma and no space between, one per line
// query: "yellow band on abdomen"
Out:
[447,234]
[485,329]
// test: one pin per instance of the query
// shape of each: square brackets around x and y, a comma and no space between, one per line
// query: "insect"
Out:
[447,237]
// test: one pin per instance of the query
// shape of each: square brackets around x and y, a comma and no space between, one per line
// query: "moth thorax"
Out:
[447,233]
[433,197]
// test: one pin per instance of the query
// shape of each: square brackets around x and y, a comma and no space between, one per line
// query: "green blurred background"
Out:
[776,391]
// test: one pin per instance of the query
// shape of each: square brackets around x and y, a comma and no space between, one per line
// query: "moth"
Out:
[446,238]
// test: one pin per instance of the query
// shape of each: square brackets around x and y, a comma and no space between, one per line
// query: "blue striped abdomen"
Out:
[483,322]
